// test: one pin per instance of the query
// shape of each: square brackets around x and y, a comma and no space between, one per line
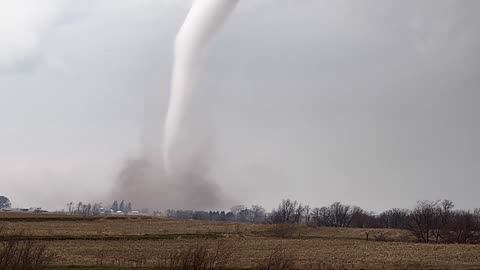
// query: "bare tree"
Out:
[443,218]
[5,202]
[395,218]
[316,217]
[89,209]
[84,210]
[476,217]
[70,208]
[236,210]
[287,212]
[299,213]
[79,207]
[422,220]
[462,229]
[246,215]
[360,218]
[258,214]
[96,208]
[322,217]
[341,214]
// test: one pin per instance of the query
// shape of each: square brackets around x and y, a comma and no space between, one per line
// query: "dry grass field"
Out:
[106,243]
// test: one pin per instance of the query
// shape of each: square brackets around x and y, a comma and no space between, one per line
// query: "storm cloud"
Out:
[320,100]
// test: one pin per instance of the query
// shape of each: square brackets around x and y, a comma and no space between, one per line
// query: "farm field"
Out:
[110,243]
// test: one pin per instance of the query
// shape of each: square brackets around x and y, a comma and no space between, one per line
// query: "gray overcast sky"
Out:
[371,102]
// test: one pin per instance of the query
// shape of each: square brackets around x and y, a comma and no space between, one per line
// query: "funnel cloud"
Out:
[203,21]
[184,174]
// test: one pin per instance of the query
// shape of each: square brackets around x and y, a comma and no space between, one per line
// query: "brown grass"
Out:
[314,248]
[248,251]
[22,254]
[199,257]
[123,226]
[279,259]
[282,231]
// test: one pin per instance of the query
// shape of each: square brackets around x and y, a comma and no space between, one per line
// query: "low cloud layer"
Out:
[26,23]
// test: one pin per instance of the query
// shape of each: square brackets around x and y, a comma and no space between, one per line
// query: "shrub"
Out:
[22,254]
[279,259]
[199,257]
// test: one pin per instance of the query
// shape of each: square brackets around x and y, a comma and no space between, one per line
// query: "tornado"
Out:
[203,21]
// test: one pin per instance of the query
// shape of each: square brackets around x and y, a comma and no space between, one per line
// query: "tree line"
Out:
[95,209]
[428,221]
[239,213]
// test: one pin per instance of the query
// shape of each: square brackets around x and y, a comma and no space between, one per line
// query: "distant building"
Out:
[24,210]
[134,213]
[118,213]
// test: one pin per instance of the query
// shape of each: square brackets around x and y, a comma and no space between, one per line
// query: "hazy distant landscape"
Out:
[293,236]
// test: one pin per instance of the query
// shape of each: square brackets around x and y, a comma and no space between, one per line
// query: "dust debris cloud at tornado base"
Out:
[147,185]
[179,177]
